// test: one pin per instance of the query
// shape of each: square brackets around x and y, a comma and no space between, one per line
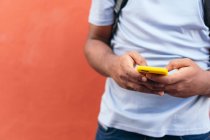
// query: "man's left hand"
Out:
[187,81]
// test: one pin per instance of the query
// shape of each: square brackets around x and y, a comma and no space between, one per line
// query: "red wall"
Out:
[47,90]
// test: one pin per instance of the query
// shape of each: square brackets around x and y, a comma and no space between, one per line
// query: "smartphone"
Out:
[153,70]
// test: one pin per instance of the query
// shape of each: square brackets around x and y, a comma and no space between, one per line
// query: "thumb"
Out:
[137,58]
[179,63]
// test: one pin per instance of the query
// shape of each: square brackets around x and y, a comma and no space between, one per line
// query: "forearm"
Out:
[208,77]
[100,56]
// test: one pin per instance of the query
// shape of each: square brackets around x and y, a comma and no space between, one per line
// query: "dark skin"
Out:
[122,69]
[189,80]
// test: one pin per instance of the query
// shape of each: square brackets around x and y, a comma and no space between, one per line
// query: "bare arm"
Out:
[121,68]
[97,51]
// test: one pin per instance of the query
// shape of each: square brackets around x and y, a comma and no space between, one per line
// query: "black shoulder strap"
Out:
[207,18]
[207,12]
[119,4]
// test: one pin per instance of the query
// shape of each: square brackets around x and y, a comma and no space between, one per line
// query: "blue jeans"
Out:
[117,134]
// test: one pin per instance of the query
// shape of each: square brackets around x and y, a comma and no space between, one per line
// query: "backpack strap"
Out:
[206,8]
[119,5]
[207,12]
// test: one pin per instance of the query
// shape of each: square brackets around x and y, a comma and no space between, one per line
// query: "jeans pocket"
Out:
[105,130]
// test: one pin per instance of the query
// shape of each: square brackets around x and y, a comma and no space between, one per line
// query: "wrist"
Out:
[111,64]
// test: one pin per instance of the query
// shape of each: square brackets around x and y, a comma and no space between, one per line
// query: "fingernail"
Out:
[144,79]
[161,93]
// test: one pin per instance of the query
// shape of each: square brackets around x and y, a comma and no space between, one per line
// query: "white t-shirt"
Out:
[160,30]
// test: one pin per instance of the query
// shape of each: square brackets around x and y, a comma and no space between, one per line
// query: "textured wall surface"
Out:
[47,90]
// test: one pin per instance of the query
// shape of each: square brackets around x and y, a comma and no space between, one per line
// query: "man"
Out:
[160,33]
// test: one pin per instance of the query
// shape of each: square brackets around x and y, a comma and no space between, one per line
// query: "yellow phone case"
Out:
[153,70]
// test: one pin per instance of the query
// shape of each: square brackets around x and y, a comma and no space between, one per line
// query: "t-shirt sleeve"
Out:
[102,12]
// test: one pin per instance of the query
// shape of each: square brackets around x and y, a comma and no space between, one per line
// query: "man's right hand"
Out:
[121,68]
[123,71]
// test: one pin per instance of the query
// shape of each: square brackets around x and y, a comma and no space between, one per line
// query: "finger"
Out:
[179,63]
[149,84]
[130,60]
[178,90]
[134,75]
[174,89]
[154,86]
[137,79]
[143,89]
[171,88]
[138,59]
[170,79]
